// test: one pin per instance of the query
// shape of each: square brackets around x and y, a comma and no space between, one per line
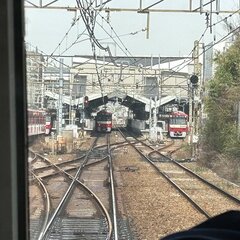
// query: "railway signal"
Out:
[194,80]
[86,102]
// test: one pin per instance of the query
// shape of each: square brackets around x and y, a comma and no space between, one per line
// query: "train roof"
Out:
[104,112]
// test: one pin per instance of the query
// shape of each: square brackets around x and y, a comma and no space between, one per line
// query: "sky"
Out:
[171,34]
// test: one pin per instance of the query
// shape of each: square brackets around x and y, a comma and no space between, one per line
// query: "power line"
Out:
[89,21]
[147,8]
[65,35]
[202,35]
[220,40]
[118,37]
[223,38]
[58,61]
[205,31]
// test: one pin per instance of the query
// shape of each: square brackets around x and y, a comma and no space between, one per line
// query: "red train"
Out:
[39,122]
[104,121]
[36,122]
[178,124]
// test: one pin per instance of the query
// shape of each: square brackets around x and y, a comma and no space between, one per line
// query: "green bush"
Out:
[221,128]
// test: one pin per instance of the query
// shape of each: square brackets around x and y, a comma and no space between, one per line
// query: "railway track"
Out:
[99,225]
[87,209]
[207,198]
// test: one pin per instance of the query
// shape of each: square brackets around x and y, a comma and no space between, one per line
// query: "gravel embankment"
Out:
[154,207]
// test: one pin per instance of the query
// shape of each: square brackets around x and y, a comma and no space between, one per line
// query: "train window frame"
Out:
[13,127]
[13,105]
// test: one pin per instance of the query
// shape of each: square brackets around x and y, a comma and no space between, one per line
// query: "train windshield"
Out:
[103,94]
[105,117]
[178,120]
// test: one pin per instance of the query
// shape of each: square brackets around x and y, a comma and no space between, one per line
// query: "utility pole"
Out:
[190,93]
[150,115]
[59,112]
[196,72]
[193,106]
[70,104]
[153,120]
[42,83]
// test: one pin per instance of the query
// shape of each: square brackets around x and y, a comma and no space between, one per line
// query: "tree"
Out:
[221,129]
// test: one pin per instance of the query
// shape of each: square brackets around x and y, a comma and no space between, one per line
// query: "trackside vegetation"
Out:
[221,131]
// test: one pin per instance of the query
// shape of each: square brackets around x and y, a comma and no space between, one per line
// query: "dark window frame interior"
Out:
[13,123]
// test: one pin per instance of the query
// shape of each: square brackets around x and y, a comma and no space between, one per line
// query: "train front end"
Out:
[178,125]
[104,121]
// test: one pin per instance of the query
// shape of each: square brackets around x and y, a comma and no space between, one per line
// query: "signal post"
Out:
[194,94]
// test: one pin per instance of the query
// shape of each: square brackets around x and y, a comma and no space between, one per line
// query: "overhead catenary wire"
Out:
[90,21]
[88,13]
[87,61]
[58,61]
[205,31]
[95,41]
[222,39]
[102,39]
[127,49]
[118,37]
[146,8]
[65,35]
[228,35]
[180,66]
[93,24]
[89,30]
[202,35]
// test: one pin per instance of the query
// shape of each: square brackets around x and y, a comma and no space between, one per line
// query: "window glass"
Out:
[164,74]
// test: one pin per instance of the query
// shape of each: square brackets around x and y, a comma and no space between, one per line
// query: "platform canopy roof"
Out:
[129,100]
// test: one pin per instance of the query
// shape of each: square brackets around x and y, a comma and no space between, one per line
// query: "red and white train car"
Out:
[104,121]
[36,122]
[178,124]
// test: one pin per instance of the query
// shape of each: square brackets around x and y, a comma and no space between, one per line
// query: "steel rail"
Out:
[164,147]
[67,162]
[92,194]
[67,193]
[59,164]
[99,202]
[35,156]
[48,202]
[72,168]
[198,207]
[226,194]
[145,144]
[153,149]
[114,207]
[233,198]
[113,144]
[157,150]
[118,145]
